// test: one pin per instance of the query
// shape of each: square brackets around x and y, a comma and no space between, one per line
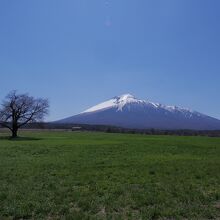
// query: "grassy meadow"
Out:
[83,175]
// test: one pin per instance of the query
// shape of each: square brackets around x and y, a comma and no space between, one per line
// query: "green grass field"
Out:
[65,175]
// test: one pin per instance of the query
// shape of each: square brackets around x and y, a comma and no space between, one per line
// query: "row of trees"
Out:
[18,110]
[112,129]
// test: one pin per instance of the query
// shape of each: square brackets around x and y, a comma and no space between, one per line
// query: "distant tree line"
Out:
[112,129]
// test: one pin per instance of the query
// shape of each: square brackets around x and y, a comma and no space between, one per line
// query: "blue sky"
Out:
[78,53]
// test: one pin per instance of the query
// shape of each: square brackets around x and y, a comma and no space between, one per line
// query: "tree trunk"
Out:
[14,132]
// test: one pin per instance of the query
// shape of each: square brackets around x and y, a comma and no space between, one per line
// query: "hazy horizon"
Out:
[80,53]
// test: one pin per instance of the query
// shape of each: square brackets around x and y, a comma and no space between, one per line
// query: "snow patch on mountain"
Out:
[102,106]
[119,102]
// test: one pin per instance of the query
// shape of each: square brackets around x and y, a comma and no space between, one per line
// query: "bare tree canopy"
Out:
[20,109]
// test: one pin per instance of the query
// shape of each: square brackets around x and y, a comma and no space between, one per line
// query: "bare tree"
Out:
[20,109]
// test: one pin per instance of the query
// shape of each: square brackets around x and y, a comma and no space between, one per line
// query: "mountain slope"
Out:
[129,112]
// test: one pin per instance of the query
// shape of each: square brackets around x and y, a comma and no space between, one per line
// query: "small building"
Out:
[77,128]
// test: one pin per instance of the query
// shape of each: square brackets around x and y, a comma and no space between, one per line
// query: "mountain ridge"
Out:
[130,112]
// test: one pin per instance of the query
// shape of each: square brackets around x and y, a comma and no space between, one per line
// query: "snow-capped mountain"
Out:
[129,112]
